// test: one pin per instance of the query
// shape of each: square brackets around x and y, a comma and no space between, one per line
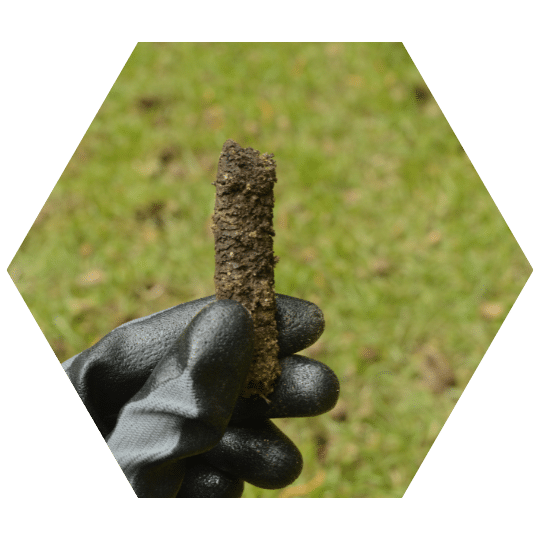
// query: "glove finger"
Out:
[259,453]
[304,388]
[299,323]
[202,480]
[186,403]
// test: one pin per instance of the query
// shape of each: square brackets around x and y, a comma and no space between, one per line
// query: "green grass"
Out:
[380,219]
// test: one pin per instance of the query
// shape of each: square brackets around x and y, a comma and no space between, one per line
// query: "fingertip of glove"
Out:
[230,310]
[259,453]
[204,481]
[225,324]
[305,388]
[309,387]
[300,324]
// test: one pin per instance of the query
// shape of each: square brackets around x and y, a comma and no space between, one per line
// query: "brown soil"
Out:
[243,233]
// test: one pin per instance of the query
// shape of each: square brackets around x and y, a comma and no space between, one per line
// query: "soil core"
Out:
[244,249]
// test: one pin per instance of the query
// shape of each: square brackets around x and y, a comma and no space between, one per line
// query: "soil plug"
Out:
[244,250]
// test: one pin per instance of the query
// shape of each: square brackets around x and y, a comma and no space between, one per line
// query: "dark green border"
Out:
[59,64]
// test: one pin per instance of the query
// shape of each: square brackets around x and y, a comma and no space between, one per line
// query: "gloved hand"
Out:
[164,392]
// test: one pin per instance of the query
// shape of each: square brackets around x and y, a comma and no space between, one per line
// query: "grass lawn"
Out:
[380,219]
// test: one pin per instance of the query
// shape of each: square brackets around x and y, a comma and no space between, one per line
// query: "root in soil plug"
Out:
[243,234]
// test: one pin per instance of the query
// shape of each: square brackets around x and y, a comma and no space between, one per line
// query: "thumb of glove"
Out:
[185,405]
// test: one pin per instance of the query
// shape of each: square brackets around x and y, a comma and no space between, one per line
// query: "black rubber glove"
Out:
[164,392]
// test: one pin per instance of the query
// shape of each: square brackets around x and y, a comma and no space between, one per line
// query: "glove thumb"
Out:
[185,405]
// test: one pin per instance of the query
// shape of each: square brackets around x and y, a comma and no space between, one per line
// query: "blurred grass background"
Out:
[380,219]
